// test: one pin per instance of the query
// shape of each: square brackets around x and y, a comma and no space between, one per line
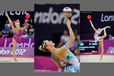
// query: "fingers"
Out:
[26,20]
[90,21]
[6,13]
[108,26]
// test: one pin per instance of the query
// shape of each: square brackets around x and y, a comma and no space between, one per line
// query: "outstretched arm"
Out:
[104,28]
[25,25]
[23,28]
[92,26]
[11,23]
[72,37]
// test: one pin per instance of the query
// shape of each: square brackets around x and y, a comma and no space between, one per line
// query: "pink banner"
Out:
[108,47]
[25,47]
[25,42]
[44,63]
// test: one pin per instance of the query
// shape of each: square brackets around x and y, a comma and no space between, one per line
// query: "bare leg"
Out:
[102,37]
[102,49]
[102,44]
[14,48]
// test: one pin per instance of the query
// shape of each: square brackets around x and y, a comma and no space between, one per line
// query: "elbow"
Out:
[11,22]
[73,38]
[62,69]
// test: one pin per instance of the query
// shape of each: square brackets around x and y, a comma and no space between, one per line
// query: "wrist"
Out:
[25,23]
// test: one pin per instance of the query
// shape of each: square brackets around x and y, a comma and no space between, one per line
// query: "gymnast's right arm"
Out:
[72,37]
[92,26]
[11,23]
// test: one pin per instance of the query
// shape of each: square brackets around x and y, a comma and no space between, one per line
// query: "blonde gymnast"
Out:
[18,32]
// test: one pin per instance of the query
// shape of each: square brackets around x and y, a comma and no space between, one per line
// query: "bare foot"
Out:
[15,59]
[108,27]
[101,58]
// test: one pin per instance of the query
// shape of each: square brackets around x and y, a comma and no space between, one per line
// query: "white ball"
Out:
[67,9]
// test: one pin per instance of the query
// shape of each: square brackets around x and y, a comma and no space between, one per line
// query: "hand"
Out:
[108,27]
[6,14]
[26,20]
[90,21]
[68,22]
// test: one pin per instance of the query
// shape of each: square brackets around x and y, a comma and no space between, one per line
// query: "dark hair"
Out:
[43,47]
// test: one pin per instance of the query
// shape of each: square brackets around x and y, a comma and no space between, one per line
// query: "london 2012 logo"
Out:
[110,50]
[54,17]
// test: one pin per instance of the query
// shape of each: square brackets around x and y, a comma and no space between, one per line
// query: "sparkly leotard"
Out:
[17,36]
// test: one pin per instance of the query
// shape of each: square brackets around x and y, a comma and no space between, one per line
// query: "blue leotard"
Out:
[73,64]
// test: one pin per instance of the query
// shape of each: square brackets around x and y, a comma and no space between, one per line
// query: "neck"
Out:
[51,49]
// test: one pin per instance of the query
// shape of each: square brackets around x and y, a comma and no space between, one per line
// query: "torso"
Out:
[18,33]
[96,36]
[60,54]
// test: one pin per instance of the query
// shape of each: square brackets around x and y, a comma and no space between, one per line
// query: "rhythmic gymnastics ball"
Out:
[67,12]
[27,16]
[89,17]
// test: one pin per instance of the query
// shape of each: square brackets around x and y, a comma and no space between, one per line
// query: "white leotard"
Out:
[96,37]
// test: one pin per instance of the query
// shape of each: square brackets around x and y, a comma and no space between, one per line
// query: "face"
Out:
[5,27]
[17,24]
[6,35]
[7,21]
[31,26]
[62,41]
[65,33]
[49,43]
[30,33]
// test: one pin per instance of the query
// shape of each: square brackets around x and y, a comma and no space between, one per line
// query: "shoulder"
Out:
[63,47]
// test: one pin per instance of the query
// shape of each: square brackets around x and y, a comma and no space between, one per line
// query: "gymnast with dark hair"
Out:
[63,53]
